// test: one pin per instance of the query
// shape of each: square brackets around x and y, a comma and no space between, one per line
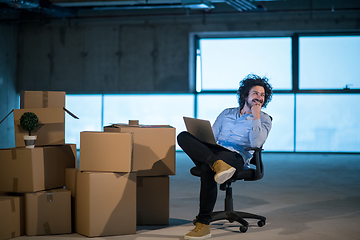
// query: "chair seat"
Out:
[247,175]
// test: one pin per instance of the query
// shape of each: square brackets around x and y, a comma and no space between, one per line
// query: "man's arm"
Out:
[260,130]
[216,127]
[256,110]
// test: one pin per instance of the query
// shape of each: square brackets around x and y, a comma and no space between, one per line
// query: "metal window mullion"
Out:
[195,104]
[102,111]
[295,76]
[295,62]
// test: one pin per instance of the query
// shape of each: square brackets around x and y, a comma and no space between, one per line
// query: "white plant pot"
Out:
[29,141]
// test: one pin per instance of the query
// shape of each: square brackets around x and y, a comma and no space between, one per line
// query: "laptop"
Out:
[201,129]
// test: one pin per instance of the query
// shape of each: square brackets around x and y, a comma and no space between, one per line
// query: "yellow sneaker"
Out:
[223,171]
[201,231]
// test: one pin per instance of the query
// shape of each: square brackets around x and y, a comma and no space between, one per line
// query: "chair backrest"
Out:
[258,172]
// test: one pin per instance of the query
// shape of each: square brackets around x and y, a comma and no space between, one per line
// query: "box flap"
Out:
[6,116]
[45,115]
[70,113]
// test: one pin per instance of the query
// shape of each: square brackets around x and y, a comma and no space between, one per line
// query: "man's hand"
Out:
[256,108]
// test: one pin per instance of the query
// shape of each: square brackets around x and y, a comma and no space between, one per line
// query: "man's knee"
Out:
[182,137]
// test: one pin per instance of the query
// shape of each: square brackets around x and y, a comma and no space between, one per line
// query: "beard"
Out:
[252,102]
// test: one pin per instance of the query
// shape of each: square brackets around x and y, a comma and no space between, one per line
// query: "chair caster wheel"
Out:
[261,223]
[243,229]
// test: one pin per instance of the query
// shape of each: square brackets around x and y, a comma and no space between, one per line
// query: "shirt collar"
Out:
[238,112]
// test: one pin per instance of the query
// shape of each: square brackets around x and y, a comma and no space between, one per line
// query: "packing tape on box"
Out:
[13,209]
[132,150]
[133,122]
[47,229]
[15,184]
[13,154]
[49,196]
[45,98]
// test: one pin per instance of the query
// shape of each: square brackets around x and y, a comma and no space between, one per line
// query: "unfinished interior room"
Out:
[179,119]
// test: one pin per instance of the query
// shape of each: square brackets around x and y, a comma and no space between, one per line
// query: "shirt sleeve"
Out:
[217,125]
[260,130]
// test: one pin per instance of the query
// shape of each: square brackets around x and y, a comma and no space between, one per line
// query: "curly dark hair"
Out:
[249,82]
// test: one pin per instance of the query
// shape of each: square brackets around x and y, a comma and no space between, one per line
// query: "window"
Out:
[224,62]
[210,105]
[167,109]
[302,106]
[88,109]
[97,111]
[329,62]
[281,137]
[327,122]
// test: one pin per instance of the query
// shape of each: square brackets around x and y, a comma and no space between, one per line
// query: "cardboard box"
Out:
[51,128]
[152,200]
[105,151]
[106,203]
[35,169]
[70,184]
[48,212]
[11,217]
[154,148]
[42,99]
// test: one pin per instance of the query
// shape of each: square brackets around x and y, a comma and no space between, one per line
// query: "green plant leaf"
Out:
[29,121]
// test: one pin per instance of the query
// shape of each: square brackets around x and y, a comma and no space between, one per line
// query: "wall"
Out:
[139,54]
[8,95]
[103,58]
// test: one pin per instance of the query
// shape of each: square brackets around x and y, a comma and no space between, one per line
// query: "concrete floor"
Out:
[303,196]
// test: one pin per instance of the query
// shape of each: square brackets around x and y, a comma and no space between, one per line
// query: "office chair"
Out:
[252,174]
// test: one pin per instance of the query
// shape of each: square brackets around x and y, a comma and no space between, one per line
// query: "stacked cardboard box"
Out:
[11,217]
[104,188]
[36,176]
[153,161]
[50,109]
[122,180]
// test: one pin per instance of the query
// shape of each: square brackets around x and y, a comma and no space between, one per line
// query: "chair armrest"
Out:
[254,148]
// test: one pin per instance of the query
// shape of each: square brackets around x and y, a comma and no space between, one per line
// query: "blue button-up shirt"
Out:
[236,132]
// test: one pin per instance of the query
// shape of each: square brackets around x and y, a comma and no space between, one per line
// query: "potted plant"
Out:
[29,121]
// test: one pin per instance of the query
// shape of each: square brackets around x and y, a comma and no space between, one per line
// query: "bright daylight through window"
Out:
[302,107]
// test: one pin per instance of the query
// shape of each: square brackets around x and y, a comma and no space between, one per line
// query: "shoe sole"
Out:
[224,175]
[198,238]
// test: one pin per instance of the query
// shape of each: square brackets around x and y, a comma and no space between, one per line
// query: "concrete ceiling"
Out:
[51,9]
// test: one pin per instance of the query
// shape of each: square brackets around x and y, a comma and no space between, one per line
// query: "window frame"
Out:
[295,36]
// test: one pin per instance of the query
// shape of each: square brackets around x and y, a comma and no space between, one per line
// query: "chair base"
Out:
[232,216]
[237,216]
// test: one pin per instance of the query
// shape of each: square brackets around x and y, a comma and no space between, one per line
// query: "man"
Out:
[235,129]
